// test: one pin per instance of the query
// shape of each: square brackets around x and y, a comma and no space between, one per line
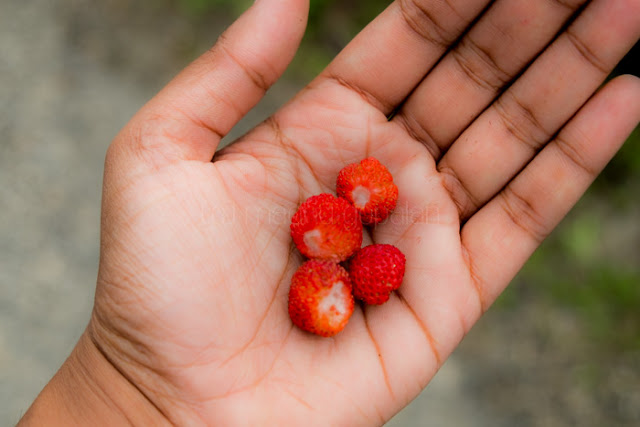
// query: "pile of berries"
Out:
[328,230]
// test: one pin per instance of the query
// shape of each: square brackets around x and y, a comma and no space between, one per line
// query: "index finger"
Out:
[388,59]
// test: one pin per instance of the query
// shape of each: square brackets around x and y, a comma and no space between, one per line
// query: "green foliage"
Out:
[200,7]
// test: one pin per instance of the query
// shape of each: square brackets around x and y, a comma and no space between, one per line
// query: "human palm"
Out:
[196,257]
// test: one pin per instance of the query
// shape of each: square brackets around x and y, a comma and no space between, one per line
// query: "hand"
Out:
[196,258]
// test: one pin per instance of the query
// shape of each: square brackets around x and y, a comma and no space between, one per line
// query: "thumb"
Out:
[189,117]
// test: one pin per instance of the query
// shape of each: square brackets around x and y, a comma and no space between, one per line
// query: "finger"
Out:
[391,55]
[190,116]
[488,57]
[436,291]
[508,134]
[501,236]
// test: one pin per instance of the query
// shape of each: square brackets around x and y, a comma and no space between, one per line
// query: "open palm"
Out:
[196,259]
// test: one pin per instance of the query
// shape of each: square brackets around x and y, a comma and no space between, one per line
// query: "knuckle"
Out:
[427,23]
[575,156]
[418,132]
[480,65]
[523,214]
[459,193]
[521,121]
[586,53]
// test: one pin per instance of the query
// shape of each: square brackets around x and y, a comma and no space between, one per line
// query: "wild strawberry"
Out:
[376,271]
[327,227]
[320,299]
[369,186]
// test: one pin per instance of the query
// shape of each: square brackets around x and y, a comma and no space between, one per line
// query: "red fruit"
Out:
[376,271]
[369,186]
[320,299]
[327,227]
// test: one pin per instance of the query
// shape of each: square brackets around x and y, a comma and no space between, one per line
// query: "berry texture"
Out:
[369,186]
[327,227]
[376,271]
[320,299]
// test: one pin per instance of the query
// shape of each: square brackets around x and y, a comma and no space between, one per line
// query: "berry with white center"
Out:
[369,186]
[327,227]
[376,271]
[320,299]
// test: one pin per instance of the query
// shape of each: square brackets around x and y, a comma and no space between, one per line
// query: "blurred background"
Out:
[561,347]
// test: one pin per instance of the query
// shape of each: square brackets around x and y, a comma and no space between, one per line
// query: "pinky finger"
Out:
[501,236]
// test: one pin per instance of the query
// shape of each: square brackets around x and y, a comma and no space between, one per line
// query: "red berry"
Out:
[376,271]
[327,227]
[320,299]
[369,186]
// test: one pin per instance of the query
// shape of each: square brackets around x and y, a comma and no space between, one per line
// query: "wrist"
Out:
[89,390]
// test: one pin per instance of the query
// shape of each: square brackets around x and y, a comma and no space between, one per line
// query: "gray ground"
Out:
[72,72]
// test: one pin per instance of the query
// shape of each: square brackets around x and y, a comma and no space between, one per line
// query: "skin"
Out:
[190,322]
